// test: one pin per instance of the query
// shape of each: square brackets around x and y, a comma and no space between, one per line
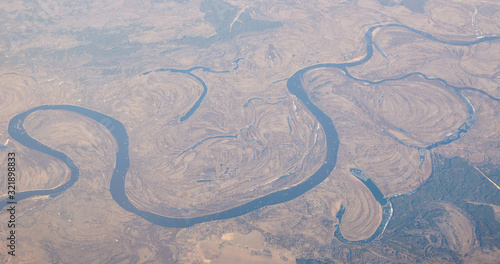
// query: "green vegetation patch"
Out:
[414,229]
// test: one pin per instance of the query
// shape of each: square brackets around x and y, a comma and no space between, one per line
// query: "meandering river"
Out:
[295,87]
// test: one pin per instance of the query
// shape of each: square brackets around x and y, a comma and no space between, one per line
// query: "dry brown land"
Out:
[91,54]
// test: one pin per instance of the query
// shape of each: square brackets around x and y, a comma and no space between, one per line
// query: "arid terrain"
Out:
[250,136]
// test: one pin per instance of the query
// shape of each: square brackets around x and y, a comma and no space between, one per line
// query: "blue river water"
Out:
[197,104]
[294,85]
